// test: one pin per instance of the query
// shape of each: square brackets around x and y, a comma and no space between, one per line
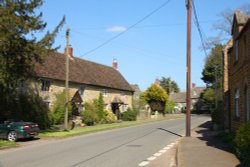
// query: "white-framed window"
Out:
[45,85]
[105,92]
[236,103]
[236,50]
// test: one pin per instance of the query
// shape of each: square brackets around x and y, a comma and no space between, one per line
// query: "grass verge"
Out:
[92,129]
[7,144]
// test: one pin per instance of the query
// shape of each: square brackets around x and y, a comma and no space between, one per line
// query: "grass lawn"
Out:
[6,144]
[102,127]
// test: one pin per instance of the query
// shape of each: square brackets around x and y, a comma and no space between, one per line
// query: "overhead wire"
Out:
[129,28]
[196,21]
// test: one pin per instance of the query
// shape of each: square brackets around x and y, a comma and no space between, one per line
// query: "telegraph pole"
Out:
[66,81]
[188,93]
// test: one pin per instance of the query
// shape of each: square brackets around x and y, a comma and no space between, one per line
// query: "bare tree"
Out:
[223,26]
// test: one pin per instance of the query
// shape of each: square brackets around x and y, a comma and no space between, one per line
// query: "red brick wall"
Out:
[239,76]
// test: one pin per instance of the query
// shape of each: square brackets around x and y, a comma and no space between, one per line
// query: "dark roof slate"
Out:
[81,71]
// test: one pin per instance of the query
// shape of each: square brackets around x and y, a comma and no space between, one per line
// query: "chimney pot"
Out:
[70,54]
[115,64]
[193,85]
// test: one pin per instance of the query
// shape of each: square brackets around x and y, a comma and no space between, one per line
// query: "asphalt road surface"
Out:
[125,147]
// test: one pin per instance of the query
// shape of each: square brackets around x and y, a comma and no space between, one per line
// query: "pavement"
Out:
[202,149]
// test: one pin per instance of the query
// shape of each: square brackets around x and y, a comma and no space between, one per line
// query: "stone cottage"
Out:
[86,80]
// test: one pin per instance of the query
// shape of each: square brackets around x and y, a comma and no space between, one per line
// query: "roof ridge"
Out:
[81,59]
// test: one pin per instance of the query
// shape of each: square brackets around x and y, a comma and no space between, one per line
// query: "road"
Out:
[125,147]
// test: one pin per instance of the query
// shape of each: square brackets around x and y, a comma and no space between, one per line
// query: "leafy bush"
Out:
[215,116]
[59,108]
[89,117]
[155,92]
[169,106]
[156,97]
[109,117]
[32,108]
[242,141]
[129,115]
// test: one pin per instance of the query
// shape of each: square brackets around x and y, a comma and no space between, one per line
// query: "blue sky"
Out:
[154,48]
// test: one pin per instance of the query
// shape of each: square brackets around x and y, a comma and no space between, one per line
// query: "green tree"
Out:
[168,85]
[100,106]
[156,97]
[212,70]
[19,47]
[212,76]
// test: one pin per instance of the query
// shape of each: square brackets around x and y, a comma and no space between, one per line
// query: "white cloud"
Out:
[117,29]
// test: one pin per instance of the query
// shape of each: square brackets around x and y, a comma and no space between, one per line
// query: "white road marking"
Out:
[172,161]
[151,158]
[143,163]
[162,151]
[157,154]
[166,148]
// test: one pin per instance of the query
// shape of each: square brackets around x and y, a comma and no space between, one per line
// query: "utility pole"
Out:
[66,81]
[216,86]
[188,72]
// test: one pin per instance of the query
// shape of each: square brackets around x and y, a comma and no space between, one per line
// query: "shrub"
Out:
[109,117]
[59,108]
[129,115]
[156,97]
[32,108]
[215,116]
[89,117]
[99,103]
[169,106]
[242,141]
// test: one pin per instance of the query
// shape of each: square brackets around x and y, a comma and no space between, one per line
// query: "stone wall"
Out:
[89,94]
[239,77]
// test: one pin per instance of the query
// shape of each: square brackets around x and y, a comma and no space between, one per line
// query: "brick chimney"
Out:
[115,64]
[70,51]
[193,85]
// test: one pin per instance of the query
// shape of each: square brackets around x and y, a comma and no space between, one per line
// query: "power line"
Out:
[196,21]
[147,26]
[129,28]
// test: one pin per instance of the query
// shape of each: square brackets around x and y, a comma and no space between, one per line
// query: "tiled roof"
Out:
[178,97]
[81,71]
[181,97]
[136,88]
[196,92]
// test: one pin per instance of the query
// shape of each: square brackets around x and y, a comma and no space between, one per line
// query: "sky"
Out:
[154,48]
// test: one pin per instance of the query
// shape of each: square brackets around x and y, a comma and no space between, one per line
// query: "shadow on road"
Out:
[170,132]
